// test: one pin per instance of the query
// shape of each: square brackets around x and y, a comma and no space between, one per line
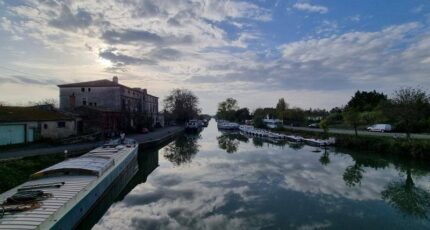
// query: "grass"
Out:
[414,148]
[17,171]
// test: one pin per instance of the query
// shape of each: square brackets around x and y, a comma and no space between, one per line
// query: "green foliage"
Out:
[366,101]
[295,116]
[409,108]
[324,126]
[15,172]
[227,109]
[281,107]
[353,118]
[259,115]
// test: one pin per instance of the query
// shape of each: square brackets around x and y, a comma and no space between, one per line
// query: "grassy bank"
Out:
[15,172]
[415,148]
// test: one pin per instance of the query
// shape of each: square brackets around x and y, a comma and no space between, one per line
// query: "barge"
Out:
[60,196]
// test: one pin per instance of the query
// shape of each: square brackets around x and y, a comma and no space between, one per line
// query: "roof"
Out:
[16,113]
[98,83]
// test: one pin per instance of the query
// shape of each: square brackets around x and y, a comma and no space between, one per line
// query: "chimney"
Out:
[115,79]
[144,91]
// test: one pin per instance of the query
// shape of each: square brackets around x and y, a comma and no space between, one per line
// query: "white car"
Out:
[380,128]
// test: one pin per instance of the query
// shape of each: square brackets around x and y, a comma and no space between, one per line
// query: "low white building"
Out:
[20,125]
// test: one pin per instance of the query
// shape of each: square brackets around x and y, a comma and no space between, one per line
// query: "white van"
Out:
[379,128]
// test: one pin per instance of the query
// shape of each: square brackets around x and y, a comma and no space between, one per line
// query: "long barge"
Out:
[60,196]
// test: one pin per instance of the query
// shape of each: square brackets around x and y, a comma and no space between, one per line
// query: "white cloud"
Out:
[311,8]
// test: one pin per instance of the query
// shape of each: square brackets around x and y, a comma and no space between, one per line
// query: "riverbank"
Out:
[414,148]
[74,149]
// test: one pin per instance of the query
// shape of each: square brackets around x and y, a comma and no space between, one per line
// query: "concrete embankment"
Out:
[159,136]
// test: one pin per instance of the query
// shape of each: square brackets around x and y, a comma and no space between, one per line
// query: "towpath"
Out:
[81,147]
[360,132]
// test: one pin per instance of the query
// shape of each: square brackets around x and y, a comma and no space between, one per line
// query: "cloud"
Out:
[127,36]
[121,59]
[20,79]
[67,20]
[310,8]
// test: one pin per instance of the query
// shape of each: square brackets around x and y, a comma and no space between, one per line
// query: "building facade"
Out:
[20,125]
[134,104]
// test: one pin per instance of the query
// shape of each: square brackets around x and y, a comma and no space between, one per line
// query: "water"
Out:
[228,181]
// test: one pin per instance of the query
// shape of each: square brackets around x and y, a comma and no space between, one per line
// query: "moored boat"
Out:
[60,196]
[226,125]
[193,126]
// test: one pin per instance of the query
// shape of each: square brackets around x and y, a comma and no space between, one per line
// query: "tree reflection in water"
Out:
[407,197]
[354,174]
[229,141]
[325,158]
[183,149]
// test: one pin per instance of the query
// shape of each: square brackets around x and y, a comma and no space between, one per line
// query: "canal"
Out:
[217,180]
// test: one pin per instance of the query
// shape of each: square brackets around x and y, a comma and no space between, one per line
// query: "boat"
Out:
[250,130]
[193,126]
[60,196]
[320,142]
[226,125]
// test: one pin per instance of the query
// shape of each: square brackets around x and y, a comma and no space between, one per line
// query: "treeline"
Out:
[408,111]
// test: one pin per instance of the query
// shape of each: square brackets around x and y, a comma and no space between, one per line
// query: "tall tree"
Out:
[182,104]
[281,107]
[409,106]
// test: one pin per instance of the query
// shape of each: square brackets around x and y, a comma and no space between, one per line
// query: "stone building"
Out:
[134,104]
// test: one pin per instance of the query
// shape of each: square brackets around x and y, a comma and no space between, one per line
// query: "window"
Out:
[82,89]
[89,89]
[61,124]
[84,101]
[91,104]
[95,104]
[45,126]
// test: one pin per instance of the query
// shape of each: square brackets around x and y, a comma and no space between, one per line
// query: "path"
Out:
[76,148]
[360,132]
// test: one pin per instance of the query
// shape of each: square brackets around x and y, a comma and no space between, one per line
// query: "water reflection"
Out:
[229,141]
[147,162]
[406,197]
[272,188]
[325,157]
[183,149]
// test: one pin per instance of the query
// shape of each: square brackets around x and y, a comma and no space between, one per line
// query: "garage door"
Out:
[12,134]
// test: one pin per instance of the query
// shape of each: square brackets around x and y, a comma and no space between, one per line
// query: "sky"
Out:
[313,53]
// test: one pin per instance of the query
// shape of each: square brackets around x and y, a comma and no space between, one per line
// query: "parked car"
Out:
[380,128]
[314,125]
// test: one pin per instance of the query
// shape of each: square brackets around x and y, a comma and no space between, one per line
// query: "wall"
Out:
[50,129]
[18,132]
[106,97]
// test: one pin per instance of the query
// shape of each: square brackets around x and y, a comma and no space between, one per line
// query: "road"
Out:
[360,132]
[77,148]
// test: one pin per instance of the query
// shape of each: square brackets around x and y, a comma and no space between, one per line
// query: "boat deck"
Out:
[67,182]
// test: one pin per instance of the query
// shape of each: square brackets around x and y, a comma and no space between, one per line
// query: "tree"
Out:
[353,118]
[409,107]
[366,101]
[242,114]
[281,107]
[324,126]
[227,109]
[182,104]
[47,101]
[258,117]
